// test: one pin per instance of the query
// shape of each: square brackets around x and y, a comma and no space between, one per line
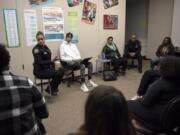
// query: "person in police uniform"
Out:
[44,66]
[133,50]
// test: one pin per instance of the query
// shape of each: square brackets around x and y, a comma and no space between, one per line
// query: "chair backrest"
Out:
[171,116]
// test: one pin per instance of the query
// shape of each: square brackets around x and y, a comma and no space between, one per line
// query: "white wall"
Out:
[160,23]
[176,23]
[92,37]
[137,21]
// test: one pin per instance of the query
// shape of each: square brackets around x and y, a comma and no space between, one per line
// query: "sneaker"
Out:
[135,97]
[93,84]
[84,88]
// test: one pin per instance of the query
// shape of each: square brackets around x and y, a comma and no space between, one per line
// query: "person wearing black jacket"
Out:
[165,49]
[151,105]
[44,66]
[111,52]
[133,50]
[147,79]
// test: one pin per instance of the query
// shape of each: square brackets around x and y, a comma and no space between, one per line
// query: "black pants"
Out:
[148,78]
[141,112]
[55,75]
[117,62]
[82,67]
[139,59]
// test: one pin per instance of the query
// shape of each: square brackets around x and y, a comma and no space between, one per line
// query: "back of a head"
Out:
[170,68]
[106,113]
[4,58]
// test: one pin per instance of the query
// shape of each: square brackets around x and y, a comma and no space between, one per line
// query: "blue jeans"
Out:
[155,61]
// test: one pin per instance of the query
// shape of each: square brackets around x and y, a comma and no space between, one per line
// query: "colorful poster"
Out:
[110,3]
[11,27]
[110,22]
[73,26]
[40,2]
[72,3]
[53,20]
[30,19]
[89,12]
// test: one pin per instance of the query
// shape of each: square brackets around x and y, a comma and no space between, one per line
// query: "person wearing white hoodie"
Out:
[71,58]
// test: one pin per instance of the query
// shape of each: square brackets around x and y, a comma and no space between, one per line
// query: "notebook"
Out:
[86,60]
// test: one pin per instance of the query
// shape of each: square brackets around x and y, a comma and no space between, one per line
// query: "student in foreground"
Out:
[150,106]
[22,106]
[106,113]
[71,59]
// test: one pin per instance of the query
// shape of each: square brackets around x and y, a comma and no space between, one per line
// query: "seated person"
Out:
[71,58]
[133,50]
[22,106]
[106,113]
[147,79]
[111,52]
[165,49]
[44,66]
[151,105]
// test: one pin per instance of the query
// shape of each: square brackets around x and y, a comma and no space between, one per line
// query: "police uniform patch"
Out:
[36,51]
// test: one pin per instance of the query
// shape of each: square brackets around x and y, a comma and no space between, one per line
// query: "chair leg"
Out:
[132,61]
[34,80]
[50,90]
[41,86]
[71,79]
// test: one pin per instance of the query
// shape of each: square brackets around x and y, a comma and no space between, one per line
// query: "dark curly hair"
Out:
[170,68]
[69,34]
[4,58]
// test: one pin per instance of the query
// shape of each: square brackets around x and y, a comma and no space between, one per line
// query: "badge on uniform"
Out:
[36,51]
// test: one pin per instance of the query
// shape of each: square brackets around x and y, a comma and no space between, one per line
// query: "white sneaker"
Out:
[93,84]
[135,97]
[84,88]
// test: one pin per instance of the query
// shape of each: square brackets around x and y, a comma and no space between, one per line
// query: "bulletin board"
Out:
[11,27]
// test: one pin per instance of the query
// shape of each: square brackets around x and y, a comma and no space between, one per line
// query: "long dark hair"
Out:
[106,113]
[169,39]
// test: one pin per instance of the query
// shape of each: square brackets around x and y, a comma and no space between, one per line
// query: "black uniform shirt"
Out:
[133,47]
[42,58]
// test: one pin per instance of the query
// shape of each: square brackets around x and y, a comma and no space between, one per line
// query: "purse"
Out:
[109,76]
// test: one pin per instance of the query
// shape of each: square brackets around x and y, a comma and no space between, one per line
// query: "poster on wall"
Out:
[53,21]
[40,2]
[72,3]
[110,22]
[30,19]
[110,3]
[89,12]
[11,27]
[73,26]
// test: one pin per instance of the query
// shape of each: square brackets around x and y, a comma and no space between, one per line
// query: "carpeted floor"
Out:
[67,109]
